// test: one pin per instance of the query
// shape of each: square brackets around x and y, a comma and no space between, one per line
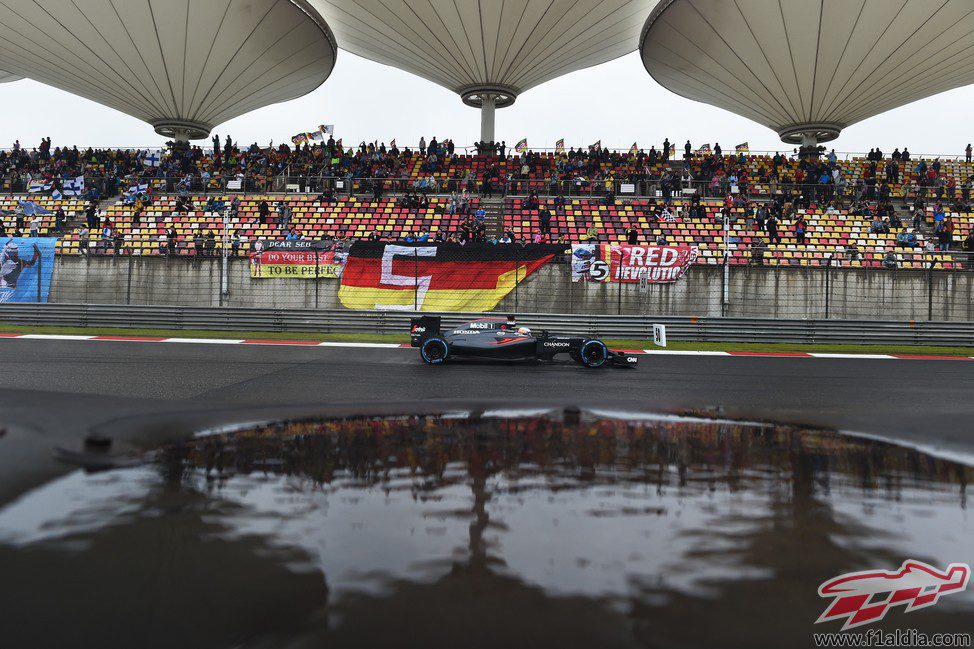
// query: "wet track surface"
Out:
[782,512]
[923,401]
[536,531]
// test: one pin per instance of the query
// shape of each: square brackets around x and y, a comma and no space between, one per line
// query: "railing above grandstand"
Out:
[471,150]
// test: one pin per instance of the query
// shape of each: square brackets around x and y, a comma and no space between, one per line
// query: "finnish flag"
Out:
[74,187]
[137,189]
[56,195]
[37,186]
[151,159]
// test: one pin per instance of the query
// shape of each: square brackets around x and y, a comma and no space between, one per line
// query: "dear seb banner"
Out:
[593,262]
[437,277]
[298,259]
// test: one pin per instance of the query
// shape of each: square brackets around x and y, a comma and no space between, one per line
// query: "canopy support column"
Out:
[488,104]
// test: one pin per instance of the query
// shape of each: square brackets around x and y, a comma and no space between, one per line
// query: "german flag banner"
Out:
[297,259]
[437,277]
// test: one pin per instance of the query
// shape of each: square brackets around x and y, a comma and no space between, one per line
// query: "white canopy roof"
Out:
[809,66]
[181,65]
[466,45]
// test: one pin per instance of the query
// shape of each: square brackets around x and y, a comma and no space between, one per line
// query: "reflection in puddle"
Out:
[458,532]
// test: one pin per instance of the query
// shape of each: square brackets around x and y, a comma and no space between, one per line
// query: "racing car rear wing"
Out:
[427,326]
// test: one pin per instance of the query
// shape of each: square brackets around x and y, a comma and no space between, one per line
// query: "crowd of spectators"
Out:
[799,182]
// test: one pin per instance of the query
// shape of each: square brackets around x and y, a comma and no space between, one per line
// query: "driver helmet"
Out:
[523,330]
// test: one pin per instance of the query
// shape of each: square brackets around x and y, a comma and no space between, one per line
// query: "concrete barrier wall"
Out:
[786,293]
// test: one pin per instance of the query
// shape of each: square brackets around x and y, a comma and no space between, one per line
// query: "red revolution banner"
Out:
[624,263]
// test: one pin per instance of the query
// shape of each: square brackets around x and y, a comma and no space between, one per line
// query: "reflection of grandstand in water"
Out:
[751,516]
[534,532]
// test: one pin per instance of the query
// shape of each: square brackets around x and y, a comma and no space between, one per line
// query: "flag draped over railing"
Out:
[437,276]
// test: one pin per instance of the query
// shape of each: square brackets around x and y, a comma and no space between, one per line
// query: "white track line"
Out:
[311,343]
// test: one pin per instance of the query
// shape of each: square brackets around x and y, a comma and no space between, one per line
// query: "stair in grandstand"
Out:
[493,216]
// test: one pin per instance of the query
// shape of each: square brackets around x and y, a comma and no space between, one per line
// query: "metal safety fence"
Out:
[397,322]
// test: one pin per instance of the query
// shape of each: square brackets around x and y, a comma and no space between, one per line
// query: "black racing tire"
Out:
[594,353]
[434,351]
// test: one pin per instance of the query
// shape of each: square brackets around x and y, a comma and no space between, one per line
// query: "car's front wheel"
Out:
[594,353]
[434,351]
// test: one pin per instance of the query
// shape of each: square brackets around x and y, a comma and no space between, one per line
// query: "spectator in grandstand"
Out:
[91,215]
[632,235]
[118,242]
[687,150]
[59,219]
[945,234]
[544,220]
[894,220]
[183,205]
[772,229]
[891,261]
[107,232]
[893,171]
[35,226]
[263,212]
[968,247]
[209,243]
[879,226]
[967,152]
[198,242]
[852,252]
[235,243]
[171,236]
[285,213]
[801,227]
[761,216]
[906,240]
[83,239]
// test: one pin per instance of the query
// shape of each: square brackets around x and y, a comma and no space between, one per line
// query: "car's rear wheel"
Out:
[594,353]
[434,351]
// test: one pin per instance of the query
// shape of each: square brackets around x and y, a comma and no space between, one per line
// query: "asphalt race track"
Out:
[54,391]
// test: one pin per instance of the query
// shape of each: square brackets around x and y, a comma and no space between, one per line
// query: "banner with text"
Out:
[622,263]
[298,259]
[437,277]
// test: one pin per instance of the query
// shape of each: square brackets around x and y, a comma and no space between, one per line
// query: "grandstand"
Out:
[352,193]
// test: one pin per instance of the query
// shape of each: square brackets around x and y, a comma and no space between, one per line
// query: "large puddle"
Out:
[530,531]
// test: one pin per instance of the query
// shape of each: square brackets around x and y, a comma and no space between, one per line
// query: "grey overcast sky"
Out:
[617,102]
